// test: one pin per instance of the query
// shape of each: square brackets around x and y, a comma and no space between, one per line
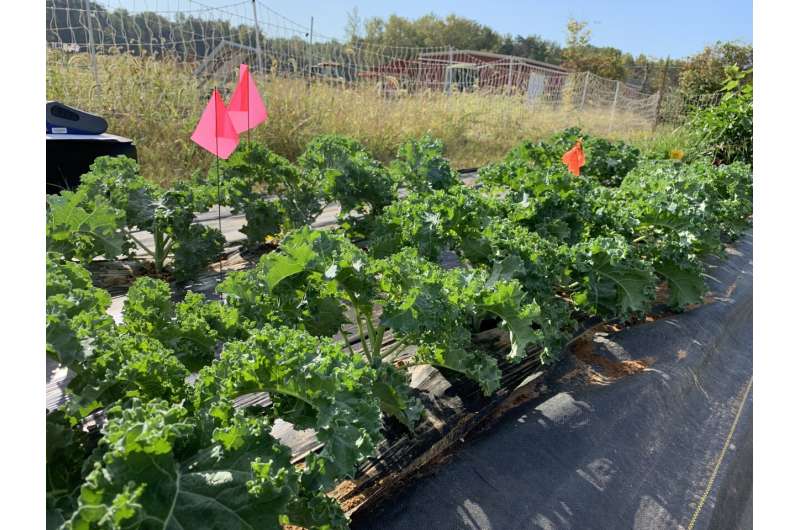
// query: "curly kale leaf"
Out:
[686,284]
[192,328]
[313,383]
[614,282]
[124,366]
[537,262]
[196,247]
[117,180]
[434,309]
[76,312]
[432,222]
[268,189]
[420,165]
[83,228]
[348,175]
[67,448]
[158,471]
[305,283]
[392,389]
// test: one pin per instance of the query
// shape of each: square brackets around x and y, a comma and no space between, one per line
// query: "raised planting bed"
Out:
[326,372]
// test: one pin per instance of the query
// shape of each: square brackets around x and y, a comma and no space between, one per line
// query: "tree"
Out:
[352,28]
[704,72]
[374,29]
[464,33]
[578,34]
[581,56]
[532,47]
[647,72]
[431,31]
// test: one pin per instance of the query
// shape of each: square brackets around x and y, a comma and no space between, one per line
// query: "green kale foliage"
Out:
[607,161]
[153,434]
[179,453]
[75,311]
[270,191]
[421,166]
[113,202]
[349,175]
[724,132]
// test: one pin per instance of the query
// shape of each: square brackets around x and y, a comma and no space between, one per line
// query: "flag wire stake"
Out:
[247,95]
[219,181]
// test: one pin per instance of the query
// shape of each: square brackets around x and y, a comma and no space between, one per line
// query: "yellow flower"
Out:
[676,154]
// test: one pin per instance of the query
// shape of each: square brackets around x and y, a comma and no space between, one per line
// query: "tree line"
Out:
[702,73]
[149,32]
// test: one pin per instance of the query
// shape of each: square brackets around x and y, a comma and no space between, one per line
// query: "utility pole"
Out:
[258,39]
[661,90]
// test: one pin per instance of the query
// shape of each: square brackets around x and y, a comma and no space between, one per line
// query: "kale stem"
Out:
[139,243]
[168,246]
[373,338]
[361,333]
[346,340]
[365,346]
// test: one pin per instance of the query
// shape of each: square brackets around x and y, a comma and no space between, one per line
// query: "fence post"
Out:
[510,74]
[530,88]
[92,52]
[585,86]
[448,72]
[614,107]
[310,48]
[258,39]
[661,93]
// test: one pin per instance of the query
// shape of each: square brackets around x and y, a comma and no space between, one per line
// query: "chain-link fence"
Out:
[213,40]
[148,66]
[675,107]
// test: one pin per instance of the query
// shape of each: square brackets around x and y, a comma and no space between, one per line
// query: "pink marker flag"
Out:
[215,131]
[246,108]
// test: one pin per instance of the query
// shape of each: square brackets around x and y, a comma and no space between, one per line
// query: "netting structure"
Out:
[213,40]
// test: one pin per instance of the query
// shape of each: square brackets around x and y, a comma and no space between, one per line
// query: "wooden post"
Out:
[661,90]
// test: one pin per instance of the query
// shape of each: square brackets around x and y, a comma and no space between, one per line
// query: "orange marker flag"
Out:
[246,108]
[574,158]
[215,131]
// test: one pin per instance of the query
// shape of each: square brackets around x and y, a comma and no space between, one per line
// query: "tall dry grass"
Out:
[157,102]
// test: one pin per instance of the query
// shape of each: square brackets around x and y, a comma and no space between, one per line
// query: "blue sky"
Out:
[675,27]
